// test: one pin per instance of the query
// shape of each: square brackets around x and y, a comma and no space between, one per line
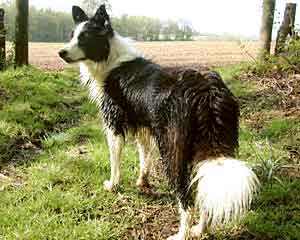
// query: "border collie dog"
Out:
[192,118]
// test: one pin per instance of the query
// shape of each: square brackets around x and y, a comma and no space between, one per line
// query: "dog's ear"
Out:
[101,16]
[79,15]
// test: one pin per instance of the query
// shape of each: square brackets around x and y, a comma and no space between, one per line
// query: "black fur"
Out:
[79,15]
[193,117]
[95,35]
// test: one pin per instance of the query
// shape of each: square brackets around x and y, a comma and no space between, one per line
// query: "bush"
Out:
[286,63]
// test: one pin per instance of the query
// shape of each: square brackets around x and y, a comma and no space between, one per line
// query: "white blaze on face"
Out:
[74,52]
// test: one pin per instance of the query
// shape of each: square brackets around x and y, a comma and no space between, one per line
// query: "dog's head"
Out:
[91,37]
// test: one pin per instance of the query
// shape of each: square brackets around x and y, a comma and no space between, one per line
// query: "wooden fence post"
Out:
[267,27]
[2,40]
[21,44]
[287,27]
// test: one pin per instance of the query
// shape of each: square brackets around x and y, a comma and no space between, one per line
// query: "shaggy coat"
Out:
[192,117]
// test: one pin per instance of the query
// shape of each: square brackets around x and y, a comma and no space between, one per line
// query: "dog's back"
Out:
[198,144]
[202,116]
[215,114]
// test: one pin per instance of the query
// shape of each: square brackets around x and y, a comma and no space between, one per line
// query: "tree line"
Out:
[46,25]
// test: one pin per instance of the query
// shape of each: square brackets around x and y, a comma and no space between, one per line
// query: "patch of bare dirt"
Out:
[11,176]
[155,222]
[290,171]
[284,90]
[278,97]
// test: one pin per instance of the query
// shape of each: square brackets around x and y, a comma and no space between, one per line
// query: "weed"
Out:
[285,63]
[278,127]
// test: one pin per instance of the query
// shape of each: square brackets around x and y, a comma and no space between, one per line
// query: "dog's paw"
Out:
[197,230]
[109,186]
[175,237]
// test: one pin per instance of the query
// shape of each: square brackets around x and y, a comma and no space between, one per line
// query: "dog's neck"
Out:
[94,74]
[121,50]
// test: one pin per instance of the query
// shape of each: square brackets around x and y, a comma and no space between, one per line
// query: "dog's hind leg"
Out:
[115,144]
[145,147]
[185,223]
[198,229]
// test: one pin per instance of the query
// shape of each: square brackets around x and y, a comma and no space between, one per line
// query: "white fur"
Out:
[185,221]
[225,186]
[93,74]
[115,144]
[198,229]
[74,52]
[224,190]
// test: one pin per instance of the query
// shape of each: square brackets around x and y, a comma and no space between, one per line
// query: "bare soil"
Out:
[203,53]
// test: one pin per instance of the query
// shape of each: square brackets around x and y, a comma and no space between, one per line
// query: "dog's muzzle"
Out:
[63,53]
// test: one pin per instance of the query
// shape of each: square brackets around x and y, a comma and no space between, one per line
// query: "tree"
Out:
[48,25]
[152,29]
[266,27]
[90,6]
[5,2]
[185,30]
[171,30]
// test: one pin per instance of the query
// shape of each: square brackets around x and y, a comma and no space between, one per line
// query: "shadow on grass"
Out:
[37,103]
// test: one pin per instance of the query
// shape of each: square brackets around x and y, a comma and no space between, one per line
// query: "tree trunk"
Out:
[266,27]
[2,40]
[21,44]
[287,27]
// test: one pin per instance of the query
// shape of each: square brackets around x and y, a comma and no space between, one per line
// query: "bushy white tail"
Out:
[224,190]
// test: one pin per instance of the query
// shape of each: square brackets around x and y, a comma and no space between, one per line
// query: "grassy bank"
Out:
[53,160]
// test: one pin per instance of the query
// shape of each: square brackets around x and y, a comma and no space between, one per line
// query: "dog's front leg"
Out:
[115,145]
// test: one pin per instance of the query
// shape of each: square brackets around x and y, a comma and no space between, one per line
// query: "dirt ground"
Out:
[204,53]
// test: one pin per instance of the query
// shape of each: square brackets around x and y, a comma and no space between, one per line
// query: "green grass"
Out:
[53,150]
[34,104]
[276,128]
[277,212]
[231,77]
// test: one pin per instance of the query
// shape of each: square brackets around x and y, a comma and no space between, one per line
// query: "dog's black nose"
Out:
[62,53]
